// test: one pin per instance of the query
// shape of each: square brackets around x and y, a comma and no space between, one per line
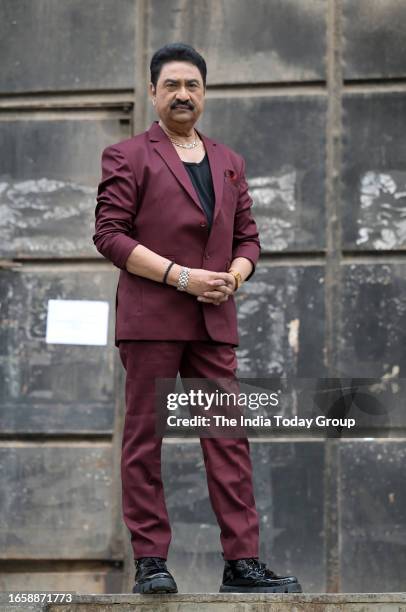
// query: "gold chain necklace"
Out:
[188,145]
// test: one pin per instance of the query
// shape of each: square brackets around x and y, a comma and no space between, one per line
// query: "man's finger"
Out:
[208,300]
[224,276]
[220,290]
[213,294]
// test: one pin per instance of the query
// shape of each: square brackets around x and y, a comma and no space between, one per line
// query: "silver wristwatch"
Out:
[183,279]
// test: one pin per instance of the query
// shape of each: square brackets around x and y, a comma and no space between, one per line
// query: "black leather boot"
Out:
[152,576]
[251,576]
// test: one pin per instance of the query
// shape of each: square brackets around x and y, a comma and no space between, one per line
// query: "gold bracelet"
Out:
[237,277]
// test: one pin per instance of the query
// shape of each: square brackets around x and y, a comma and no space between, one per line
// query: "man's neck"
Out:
[183,132]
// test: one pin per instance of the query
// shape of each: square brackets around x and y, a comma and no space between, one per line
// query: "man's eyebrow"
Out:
[170,81]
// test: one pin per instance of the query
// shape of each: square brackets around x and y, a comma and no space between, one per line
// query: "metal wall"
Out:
[312,94]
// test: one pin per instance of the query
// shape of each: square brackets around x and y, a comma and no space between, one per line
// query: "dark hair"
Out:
[176,52]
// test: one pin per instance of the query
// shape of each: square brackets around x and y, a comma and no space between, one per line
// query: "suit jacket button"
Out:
[207,256]
[203,225]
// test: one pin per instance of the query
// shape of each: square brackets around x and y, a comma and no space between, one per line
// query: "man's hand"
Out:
[211,287]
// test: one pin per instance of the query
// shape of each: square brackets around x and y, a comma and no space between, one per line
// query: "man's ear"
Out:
[152,90]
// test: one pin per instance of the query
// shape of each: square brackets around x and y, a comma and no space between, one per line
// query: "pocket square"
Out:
[230,174]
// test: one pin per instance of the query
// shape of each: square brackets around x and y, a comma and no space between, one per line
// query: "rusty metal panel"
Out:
[48,185]
[281,322]
[290,510]
[288,480]
[371,343]
[372,516]
[68,46]
[373,321]
[374,175]
[283,142]
[62,507]
[53,388]
[374,39]
[244,44]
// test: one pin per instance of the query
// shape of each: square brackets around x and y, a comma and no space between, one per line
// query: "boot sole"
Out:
[156,585]
[294,587]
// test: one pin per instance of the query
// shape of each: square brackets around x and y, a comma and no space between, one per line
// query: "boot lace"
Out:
[260,567]
[153,563]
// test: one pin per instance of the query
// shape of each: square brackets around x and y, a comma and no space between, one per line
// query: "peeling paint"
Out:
[382,212]
[46,216]
[293,336]
[275,207]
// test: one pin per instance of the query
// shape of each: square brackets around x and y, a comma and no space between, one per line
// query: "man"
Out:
[173,213]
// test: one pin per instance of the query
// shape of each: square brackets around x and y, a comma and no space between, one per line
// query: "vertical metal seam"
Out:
[332,279]
[141,76]
[333,167]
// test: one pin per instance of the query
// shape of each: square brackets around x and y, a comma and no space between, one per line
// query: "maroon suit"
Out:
[146,197]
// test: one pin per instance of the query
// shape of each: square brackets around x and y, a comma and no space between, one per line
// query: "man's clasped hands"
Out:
[211,287]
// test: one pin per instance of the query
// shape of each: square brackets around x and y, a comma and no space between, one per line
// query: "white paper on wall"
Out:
[77,322]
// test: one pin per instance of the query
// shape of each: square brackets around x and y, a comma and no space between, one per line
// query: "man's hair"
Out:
[176,52]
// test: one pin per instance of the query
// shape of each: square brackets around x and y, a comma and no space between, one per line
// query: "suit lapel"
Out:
[165,149]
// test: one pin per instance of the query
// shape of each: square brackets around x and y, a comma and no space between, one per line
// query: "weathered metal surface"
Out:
[373,316]
[288,480]
[290,510]
[281,322]
[53,388]
[72,46]
[61,507]
[370,346]
[374,39]
[374,177]
[247,46]
[372,515]
[48,183]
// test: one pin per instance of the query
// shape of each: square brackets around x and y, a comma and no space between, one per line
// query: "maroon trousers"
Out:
[227,460]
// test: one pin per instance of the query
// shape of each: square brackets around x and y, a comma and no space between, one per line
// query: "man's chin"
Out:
[182,116]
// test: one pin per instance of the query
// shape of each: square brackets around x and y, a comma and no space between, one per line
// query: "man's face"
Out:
[179,94]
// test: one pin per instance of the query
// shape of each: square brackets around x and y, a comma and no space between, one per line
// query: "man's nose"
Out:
[182,93]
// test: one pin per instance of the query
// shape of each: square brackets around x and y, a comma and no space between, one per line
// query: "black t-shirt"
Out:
[200,175]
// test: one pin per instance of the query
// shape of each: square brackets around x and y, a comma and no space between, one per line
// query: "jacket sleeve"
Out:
[116,208]
[246,238]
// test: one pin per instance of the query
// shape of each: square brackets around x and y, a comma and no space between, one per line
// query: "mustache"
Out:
[186,103]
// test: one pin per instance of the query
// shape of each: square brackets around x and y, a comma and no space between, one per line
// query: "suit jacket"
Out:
[146,197]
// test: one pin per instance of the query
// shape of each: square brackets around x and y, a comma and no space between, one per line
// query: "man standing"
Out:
[173,213]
